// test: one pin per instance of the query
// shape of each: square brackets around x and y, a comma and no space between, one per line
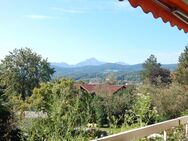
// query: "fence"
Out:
[138,133]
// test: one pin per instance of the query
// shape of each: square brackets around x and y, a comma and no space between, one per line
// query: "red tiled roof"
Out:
[90,88]
[173,11]
[113,88]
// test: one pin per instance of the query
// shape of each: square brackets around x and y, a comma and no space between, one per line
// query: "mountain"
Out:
[89,62]
[121,63]
[171,67]
[62,64]
[92,68]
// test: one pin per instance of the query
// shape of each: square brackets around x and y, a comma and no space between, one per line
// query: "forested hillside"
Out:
[99,72]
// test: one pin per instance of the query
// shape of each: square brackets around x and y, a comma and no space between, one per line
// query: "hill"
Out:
[87,62]
[100,71]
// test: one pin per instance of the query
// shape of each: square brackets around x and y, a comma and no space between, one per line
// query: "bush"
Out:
[8,131]
[66,110]
[110,110]
[100,111]
[144,111]
[170,101]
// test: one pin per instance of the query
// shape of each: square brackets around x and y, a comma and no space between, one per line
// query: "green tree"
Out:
[182,70]
[110,109]
[8,130]
[144,111]
[24,70]
[66,108]
[148,66]
[160,76]
[100,111]
[154,74]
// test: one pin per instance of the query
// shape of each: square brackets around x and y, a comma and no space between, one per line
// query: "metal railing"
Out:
[142,132]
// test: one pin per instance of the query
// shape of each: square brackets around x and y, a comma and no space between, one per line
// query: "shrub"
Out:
[170,101]
[66,110]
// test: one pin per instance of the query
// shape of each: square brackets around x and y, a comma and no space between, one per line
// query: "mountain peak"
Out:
[62,64]
[122,63]
[89,62]
[91,59]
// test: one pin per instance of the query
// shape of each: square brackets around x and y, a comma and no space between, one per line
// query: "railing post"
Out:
[164,135]
[186,130]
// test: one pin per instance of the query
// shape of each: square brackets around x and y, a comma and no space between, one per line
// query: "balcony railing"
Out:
[142,132]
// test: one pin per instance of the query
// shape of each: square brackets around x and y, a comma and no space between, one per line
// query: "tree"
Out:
[154,73]
[182,70]
[24,70]
[160,76]
[8,130]
[148,66]
[100,111]
[67,111]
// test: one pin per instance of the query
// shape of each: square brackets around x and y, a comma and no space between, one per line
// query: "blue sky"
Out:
[74,30]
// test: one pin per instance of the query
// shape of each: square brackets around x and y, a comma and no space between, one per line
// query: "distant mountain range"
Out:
[92,67]
[87,62]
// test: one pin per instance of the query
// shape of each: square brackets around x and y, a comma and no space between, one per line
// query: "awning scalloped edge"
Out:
[149,6]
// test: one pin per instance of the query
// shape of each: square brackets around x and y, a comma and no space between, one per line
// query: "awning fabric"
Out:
[173,11]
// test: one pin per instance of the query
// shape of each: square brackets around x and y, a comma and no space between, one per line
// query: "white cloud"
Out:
[42,17]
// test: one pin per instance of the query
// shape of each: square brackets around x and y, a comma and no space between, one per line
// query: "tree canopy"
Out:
[149,65]
[22,70]
[182,70]
[154,73]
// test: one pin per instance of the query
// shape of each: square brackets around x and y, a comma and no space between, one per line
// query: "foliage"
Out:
[110,110]
[118,106]
[8,131]
[182,70]
[154,73]
[86,104]
[131,78]
[23,70]
[144,111]
[100,111]
[148,66]
[25,79]
[5,122]
[67,111]
[177,133]
[160,76]
[170,101]
[2,91]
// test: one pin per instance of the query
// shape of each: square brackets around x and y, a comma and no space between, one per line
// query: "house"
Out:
[101,89]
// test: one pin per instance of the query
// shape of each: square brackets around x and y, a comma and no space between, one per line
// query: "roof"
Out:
[89,87]
[102,88]
[173,11]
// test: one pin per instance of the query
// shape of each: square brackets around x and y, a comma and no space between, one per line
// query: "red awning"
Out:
[173,11]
